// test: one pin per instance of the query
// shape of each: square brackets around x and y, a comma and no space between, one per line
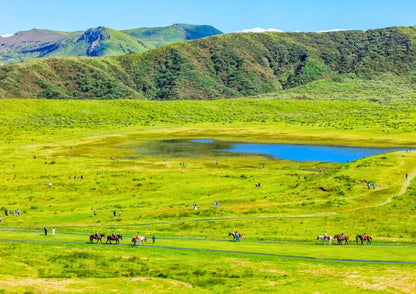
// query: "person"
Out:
[114,213]
[6,212]
[95,212]
[0,219]
[11,212]
[153,239]
[113,236]
[407,176]
[325,236]
[368,185]
[364,236]
[342,235]
[96,234]
[237,236]
[46,231]
[50,185]
[53,231]
[374,185]
[119,213]
[135,241]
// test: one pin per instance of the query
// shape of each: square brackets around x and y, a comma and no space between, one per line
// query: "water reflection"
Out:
[204,147]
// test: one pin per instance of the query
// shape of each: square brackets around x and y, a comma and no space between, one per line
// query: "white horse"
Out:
[324,238]
[139,239]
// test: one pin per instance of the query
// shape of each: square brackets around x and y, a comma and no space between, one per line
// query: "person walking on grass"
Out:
[153,239]
[46,231]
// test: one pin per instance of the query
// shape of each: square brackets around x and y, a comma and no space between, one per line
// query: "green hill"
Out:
[232,65]
[99,41]
[161,36]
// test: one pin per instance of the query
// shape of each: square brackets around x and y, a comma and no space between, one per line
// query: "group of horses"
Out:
[116,239]
[112,238]
[344,239]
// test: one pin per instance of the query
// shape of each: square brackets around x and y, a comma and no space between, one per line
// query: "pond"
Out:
[203,147]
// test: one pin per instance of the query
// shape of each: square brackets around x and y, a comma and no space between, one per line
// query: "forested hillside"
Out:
[221,66]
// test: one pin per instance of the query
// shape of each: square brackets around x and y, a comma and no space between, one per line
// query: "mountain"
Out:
[223,66]
[161,36]
[101,41]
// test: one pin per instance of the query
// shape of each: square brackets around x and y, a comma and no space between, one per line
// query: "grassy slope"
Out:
[150,190]
[342,123]
[233,65]
[162,36]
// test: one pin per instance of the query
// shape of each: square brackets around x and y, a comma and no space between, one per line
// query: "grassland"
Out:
[193,253]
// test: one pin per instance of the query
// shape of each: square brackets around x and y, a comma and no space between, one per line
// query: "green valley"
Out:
[90,153]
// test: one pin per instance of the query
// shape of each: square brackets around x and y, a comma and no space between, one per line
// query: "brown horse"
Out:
[340,239]
[97,237]
[363,238]
[115,238]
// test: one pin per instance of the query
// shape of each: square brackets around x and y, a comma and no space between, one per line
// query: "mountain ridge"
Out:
[221,66]
[100,41]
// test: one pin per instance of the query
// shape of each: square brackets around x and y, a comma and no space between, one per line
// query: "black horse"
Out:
[115,238]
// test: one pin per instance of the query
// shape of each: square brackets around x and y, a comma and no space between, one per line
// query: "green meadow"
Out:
[52,141]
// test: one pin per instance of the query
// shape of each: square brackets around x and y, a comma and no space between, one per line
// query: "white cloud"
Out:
[259,30]
[6,35]
[333,30]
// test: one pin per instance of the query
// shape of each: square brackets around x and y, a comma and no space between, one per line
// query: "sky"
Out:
[226,15]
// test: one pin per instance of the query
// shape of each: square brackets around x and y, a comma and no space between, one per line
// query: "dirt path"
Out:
[403,190]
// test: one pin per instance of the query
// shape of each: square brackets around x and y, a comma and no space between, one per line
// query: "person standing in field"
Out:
[53,231]
[154,239]
[46,231]
[95,212]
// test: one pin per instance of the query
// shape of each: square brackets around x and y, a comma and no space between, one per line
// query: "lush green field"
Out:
[280,221]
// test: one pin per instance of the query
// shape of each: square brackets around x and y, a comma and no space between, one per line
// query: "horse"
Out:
[139,239]
[340,239]
[235,237]
[363,238]
[97,237]
[115,238]
[323,238]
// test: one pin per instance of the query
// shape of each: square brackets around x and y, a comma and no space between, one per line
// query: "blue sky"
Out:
[226,15]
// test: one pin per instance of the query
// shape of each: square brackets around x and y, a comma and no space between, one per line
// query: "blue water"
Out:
[206,146]
[307,152]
